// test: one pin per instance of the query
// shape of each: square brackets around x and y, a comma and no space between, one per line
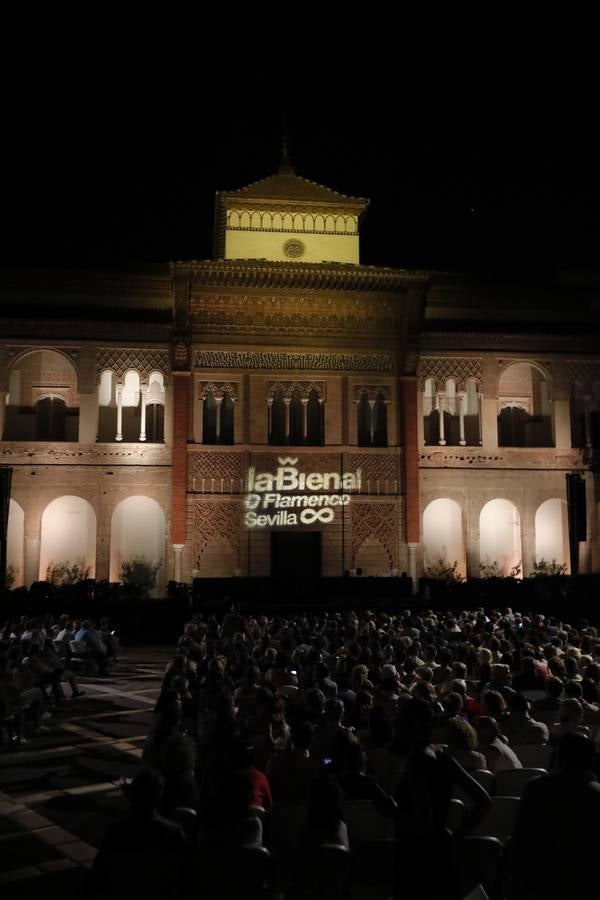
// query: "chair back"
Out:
[287,690]
[499,821]
[326,872]
[237,874]
[78,648]
[477,861]
[510,782]
[534,756]
[364,822]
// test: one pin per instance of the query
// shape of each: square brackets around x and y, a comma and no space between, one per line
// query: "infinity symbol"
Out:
[308,516]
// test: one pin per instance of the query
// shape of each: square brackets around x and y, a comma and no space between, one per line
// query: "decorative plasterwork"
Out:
[218,389]
[216,519]
[214,466]
[330,362]
[441,368]
[287,388]
[296,315]
[120,360]
[504,458]
[378,520]
[583,373]
[379,471]
[371,391]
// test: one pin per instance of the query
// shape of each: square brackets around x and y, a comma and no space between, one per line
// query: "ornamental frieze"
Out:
[35,453]
[503,458]
[143,361]
[322,362]
[441,368]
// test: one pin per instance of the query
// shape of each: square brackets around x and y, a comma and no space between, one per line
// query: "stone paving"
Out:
[59,792]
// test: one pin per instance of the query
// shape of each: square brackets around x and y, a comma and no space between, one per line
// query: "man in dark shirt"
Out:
[555,842]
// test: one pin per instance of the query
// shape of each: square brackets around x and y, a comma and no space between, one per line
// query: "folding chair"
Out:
[477,860]
[534,756]
[510,782]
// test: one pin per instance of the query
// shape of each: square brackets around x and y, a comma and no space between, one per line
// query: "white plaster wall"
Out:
[68,534]
[443,535]
[15,543]
[500,535]
[137,529]
[552,532]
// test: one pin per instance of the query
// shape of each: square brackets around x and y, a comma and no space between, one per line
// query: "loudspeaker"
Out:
[576,503]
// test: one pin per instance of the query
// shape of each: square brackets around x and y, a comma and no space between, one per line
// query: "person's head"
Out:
[518,705]
[574,689]
[302,735]
[461,735]
[453,704]
[145,791]
[414,723]
[487,729]
[493,704]
[590,691]
[554,687]
[334,710]
[570,712]
[501,674]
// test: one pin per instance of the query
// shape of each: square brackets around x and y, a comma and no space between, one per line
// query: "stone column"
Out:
[88,418]
[3,413]
[143,391]
[32,559]
[461,420]
[412,565]
[119,434]
[198,420]
[528,549]
[178,561]
[179,456]
[587,421]
[219,402]
[410,458]
[304,401]
[489,422]
[442,440]
[562,424]
[169,414]
[372,421]
[287,401]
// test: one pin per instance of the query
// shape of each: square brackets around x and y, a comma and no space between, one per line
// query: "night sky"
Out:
[104,172]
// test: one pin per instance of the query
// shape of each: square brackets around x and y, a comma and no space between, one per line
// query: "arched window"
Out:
[296,416]
[131,407]
[107,406]
[218,419]
[525,417]
[500,538]
[315,420]
[364,421]
[431,417]
[43,399]
[277,414]
[209,419]
[443,538]
[155,423]
[227,409]
[379,414]
[578,425]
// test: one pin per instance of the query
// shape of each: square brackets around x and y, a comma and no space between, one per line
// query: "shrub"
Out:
[63,573]
[139,575]
[543,567]
[491,570]
[444,571]
[11,576]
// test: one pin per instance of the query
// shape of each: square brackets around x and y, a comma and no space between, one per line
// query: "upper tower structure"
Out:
[288,218]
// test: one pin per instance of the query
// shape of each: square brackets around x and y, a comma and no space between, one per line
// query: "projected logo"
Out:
[289,497]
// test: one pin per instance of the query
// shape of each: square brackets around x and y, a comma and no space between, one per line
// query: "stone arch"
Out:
[443,536]
[525,416]
[68,534]
[217,559]
[43,397]
[500,536]
[15,542]
[137,528]
[373,558]
[552,532]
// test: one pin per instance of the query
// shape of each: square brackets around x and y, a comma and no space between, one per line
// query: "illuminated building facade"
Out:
[283,409]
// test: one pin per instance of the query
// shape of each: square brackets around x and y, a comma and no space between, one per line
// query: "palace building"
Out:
[283,409]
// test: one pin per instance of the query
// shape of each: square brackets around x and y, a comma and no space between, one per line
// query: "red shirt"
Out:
[261,791]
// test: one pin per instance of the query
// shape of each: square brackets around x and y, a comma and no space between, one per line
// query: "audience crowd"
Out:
[296,736]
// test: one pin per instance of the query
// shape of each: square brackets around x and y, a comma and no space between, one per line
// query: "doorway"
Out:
[295,554]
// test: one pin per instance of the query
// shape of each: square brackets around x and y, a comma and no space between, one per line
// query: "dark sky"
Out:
[105,171]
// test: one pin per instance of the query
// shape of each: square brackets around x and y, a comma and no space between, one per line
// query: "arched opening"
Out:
[131,408]
[209,419]
[373,558]
[277,432]
[552,533]
[137,529]
[525,417]
[15,544]
[500,538]
[431,417]
[364,421]
[68,535]
[443,539]
[107,406]
[43,399]
[217,560]
[296,414]
[380,438]
[227,409]
[155,423]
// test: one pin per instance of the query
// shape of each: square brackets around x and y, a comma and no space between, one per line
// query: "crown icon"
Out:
[287,461]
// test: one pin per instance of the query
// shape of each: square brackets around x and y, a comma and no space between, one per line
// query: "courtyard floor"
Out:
[59,792]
